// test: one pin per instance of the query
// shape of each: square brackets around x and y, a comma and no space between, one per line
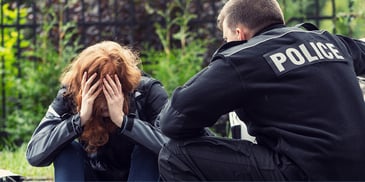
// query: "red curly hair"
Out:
[103,58]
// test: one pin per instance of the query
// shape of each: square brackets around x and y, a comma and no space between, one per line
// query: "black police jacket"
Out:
[60,127]
[296,90]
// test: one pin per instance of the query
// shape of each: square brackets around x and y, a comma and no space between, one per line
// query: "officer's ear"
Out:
[242,33]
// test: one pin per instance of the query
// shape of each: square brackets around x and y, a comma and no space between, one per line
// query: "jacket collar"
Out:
[234,43]
[265,29]
[270,27]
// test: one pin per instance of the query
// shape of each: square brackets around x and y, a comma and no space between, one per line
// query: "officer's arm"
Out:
[155,101]
[202,100]
[356,49]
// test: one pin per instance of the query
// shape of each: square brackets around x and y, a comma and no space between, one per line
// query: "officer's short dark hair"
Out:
[254,14]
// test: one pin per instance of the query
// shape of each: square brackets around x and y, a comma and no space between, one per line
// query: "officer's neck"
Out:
[270,27]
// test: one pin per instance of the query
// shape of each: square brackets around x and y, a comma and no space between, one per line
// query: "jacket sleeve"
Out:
[356,48]
[202,100]
[57,129]
[146,133]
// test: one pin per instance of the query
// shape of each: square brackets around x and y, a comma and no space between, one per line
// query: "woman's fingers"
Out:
[106,93]
[94,93]
[115,99]
[119,86]
[88,82]
[89,93]
[83,81]
[108,87]
[94,87]
[113,87]
[112,83]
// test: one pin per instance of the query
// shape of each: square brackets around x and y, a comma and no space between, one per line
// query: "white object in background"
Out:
[6,175]
[239,128]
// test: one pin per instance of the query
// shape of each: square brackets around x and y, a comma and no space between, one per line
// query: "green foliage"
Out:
[350,18]
[348,15]
[40,80]
[14,161]
[177,62]
[10,63]
[298,11]
[176,68]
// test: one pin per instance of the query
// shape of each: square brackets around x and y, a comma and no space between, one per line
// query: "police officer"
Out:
[295,89]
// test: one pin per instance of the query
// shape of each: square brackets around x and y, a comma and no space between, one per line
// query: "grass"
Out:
[16,162]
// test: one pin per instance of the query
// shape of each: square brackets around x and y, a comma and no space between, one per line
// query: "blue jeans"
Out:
[70,164]
[144,165]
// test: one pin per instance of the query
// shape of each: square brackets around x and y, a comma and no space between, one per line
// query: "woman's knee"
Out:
[70,153]
[69,163]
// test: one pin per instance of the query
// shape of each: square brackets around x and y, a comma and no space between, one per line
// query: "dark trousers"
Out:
[71,165]
[222,159]
[144,165]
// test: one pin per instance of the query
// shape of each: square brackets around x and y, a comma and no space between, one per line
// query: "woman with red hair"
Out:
[97,128]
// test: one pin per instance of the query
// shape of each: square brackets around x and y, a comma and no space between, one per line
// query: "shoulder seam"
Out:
[261,39]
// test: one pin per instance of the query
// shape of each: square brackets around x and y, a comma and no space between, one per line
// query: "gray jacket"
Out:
[60,126]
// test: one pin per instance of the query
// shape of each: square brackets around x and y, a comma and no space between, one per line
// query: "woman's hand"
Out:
[114,97]
[89,93]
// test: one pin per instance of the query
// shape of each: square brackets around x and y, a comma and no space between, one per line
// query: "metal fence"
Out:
[125,21]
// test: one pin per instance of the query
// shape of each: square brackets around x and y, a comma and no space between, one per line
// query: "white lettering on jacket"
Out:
[289,58]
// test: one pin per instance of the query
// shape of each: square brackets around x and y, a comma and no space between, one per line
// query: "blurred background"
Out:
[175,39]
